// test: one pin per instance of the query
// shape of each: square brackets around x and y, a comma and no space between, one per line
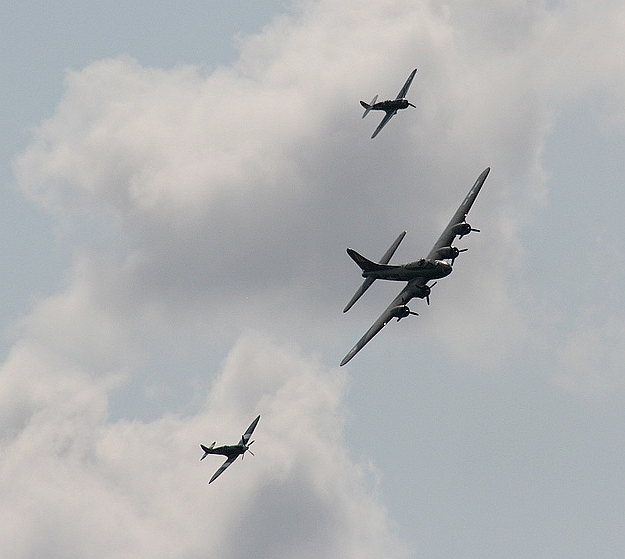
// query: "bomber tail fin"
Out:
[365,264]
[206,450]
[367,106]
[368,281]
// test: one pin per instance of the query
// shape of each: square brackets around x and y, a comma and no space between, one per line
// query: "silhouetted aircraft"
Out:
[231,451]
[436,265]
[390,106]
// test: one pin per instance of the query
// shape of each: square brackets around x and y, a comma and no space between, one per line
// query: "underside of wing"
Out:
[246,436]
[450,232]
[223,467]
[377,326]
[404,90]
[382,124]
[404,296]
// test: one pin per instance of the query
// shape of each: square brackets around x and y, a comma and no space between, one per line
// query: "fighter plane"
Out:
[390,106]
[436,265]
[231,451]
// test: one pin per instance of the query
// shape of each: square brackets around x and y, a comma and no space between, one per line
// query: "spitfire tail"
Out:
[206,450]
[367,106]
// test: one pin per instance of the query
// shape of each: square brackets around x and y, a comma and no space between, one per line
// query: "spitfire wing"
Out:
[449,234]
[388,116]
[404,90]
[404,296]
[246,436]
[221,469]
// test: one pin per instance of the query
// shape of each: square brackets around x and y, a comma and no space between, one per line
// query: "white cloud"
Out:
[204,203]
[75,484]
[234,193]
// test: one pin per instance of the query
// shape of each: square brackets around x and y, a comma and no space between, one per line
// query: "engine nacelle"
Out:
[401,311]
[424,292]
[463,229]
[447,253]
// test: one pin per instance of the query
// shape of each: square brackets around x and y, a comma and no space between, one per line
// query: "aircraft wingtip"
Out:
[347,358]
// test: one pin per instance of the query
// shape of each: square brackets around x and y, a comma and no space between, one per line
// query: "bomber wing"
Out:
[388,116]
[246,436]
[454,228]
[407,293]
[457,222]
[404,90]
[223,467]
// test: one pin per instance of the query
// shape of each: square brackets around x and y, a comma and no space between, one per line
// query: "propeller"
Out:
[409,103]
[450,253]
[247,448]
[427,289]
[402,311]
[463,229]
[458,251]
[407,314]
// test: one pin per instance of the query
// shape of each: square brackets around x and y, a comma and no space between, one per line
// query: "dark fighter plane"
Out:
[436,265]
[231,451]
[391,106]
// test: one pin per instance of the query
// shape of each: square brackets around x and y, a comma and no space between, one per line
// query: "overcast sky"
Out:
[180,185]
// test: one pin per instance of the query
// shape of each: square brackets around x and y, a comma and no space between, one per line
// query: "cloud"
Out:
[203,204]
[76,484]
[232,194]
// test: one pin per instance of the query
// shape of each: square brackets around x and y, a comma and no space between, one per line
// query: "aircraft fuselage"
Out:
[390,105]
[423,268]
[227,450]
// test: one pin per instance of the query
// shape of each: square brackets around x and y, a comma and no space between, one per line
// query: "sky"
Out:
[180,185]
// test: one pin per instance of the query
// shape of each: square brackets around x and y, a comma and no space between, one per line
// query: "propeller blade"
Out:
[427,297]
[453,260]
[470,230]
[247,449]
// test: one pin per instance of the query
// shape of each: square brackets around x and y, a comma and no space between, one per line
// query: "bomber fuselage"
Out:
[423,268]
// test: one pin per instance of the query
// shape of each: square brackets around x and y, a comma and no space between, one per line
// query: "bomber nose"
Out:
[446,269]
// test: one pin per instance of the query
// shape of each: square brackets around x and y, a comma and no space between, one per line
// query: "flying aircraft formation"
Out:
[437,264]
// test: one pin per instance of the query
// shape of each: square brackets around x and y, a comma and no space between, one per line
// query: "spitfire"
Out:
[231,451]
[391,106]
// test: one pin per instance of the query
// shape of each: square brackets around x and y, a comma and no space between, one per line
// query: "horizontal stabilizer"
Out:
[207,450]
[367,106]
[368,281]
[365,285]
